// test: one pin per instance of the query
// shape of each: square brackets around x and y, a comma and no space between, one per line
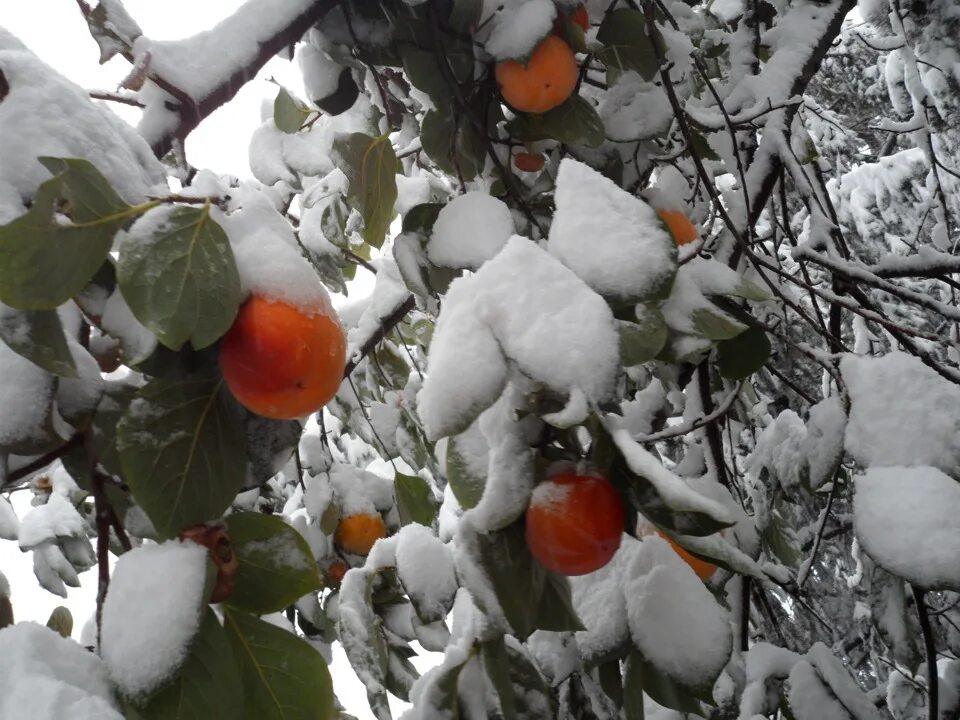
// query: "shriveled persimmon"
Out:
[529,162]
[282,361]
[214,537]
[357,533]
[578,17]
[546,80]
[679,225]
[574,522]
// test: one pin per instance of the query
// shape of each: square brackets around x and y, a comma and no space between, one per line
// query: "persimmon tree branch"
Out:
[387,323]
[933,685]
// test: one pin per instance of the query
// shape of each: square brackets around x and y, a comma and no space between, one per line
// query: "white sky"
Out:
[57,33]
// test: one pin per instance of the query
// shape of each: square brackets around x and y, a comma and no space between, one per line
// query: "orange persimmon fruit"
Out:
[357,533]
[578,17]
[282,361]
[679,225]
[214,537]
[546,80]
[574,522]
[528,161]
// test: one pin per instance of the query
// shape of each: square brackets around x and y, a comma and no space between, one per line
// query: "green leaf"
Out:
[643,340]
[181,282]
[575,122]
[181,451]
[529,601]
[743,355]
[284,677]
[45,260]
[420,218]
[623,34]
[661,689]
[38,336]
[611,681]
[702,146]
[415,501]
[532,695]
[371,165]
[493,653]
[424,73]
[632,690]
[451,142]
[465,14]
[714,325]
[207,687]
[289,113]
[775,538]
[276,565]
[467,488]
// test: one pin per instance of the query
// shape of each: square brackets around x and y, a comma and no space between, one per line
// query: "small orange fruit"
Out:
[356,534]
[702,568]
[282,362]
[528,162]
[547,80]
[578,17]
[680,227]
[574,523]
[335,572]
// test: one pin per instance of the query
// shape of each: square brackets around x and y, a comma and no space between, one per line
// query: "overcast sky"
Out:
[57,33]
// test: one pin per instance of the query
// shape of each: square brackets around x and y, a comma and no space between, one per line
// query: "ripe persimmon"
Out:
[680,227]
[546,80]
[357,533]
[214,537]
[335,572]
[281,361]
[574,522]
[528,162]
[577,17]
[702,568]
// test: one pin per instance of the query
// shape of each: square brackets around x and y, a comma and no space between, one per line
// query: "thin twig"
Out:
[387,323]
[933,685]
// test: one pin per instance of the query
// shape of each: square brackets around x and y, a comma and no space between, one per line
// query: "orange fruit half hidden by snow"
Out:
[528,162]
[574,523]
[356,534]
[680,227]
[281,361]
[544,82]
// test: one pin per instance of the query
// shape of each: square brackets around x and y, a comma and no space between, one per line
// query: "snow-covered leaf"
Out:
[623,34]
[44,260]
[181,451]
[276,565]
[415,501]
[177,273]
[643,340]
[289,112]
[38,336]
[741,356]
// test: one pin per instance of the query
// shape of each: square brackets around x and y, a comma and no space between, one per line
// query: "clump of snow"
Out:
[57,518]
[320,73]
[841,684]
[470,230]
[634,109]
[152,613]
[823,445]
[612,240]
[426,570]
[809,697]
[268,258]
[598,599]
[388,294]
[525,307]
[901,413]
[905,518]
[9,523]
[25,395]
[44,114]
[48,677]
[780,449]
[518,28]
[674,620]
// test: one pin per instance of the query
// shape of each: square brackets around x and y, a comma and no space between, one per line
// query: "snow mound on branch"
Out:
[426,570]
[524,306]
[470,230]
[268,258]
[780,450]
[901,413]
[612,240]
[809,697]
[906,520]
[674,620]
[44,114]
[48,677]
[634,109]
[518,28]
[152,613]
[57,518]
